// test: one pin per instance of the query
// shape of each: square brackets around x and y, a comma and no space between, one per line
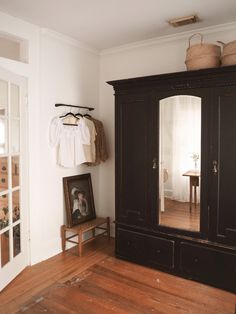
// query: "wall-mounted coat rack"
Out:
[82,107]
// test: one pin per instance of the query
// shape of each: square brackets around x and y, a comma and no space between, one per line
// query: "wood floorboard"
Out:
[98,283]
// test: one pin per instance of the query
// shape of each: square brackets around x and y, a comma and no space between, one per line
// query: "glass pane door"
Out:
[13,256]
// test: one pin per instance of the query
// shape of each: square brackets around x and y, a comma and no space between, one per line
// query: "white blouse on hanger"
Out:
[70,140]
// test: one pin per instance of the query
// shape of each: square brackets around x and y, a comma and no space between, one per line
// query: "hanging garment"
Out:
[90,150]
[100,143]
[70,140]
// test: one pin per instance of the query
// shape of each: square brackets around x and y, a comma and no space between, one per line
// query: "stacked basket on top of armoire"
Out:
[204,55]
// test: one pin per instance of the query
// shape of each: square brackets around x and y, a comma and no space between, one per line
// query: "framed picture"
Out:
[79,199]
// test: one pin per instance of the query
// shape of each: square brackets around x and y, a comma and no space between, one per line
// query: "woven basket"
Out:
[202,56]
[229,59]
[203,62]
[229,53]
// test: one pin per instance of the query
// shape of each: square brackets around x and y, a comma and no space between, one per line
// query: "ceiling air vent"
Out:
[184,20]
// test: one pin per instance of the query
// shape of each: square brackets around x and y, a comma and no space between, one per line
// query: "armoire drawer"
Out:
[130,244]
[196,261]
[160,251]
[209,265]
[226,263]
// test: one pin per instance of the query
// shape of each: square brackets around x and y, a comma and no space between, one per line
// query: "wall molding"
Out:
[69,40]
[169,38]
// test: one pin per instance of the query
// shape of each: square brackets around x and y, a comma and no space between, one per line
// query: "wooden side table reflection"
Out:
[193,184]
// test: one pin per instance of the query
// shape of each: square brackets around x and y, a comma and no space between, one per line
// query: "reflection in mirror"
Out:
[5,248]
[179,157]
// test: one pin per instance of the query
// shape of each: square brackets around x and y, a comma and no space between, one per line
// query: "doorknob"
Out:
[215,168]
[154,163]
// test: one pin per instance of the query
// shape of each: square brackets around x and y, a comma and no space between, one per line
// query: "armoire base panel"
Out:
[201,263]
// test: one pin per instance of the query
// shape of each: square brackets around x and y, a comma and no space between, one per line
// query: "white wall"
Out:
[140,59]
[70,75]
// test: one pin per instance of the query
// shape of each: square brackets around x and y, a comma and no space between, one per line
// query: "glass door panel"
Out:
[15,167]
[3,136]
[16,206]
[15,101]
[3,97]
[3,173]
[15,136]
[4,211]
[13,236]
[5,248]
[16,240]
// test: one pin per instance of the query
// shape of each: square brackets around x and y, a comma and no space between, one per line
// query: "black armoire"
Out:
[174,212]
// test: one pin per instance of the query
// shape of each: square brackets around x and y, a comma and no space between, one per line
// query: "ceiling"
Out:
[105,24]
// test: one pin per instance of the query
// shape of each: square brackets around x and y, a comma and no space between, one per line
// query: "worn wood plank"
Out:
[100,283]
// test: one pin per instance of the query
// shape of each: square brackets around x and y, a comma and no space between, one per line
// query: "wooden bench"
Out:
[80,229]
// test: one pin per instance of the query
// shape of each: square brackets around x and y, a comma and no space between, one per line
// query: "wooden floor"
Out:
[99,283]
[178,215]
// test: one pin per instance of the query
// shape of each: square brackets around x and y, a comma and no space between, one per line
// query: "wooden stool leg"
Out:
[108,228]
[93,231]
[80,239]
[63,238]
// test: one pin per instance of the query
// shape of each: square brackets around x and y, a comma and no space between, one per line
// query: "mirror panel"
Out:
[179,162]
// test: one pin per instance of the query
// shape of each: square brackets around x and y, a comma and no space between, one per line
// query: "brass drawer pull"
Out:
[215,167]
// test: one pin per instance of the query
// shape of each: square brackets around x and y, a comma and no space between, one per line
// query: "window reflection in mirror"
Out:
[180,164]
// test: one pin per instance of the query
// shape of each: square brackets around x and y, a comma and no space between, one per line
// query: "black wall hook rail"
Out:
[82,107]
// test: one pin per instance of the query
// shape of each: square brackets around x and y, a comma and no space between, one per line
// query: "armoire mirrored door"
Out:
[180,162]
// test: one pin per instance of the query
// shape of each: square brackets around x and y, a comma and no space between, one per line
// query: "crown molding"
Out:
[169,38]
[69,40]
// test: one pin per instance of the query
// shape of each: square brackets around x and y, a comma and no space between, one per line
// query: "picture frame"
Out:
[79,199]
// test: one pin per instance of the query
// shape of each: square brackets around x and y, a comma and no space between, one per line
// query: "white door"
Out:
[13,177]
